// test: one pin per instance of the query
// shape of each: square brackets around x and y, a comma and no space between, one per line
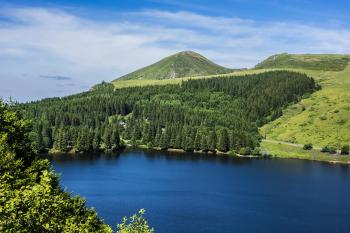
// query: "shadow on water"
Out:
[149,154]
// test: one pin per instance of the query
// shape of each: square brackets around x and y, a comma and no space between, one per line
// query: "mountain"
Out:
[321,118]
[324,62]
[182,64]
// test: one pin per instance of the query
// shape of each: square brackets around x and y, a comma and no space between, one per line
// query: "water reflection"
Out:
[150,155]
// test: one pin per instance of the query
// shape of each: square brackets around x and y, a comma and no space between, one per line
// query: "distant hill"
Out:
[324,62]
[182,64]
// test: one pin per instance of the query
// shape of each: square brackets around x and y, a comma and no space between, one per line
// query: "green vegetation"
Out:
[182,64]
[136,224]
[151,82]
[324,62]
[280,150]
[307,146]
[329,149]
[31,199]
[323,118]
[345,150]
[220,113]
[320,118]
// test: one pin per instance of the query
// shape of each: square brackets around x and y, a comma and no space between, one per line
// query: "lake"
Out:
[185,193]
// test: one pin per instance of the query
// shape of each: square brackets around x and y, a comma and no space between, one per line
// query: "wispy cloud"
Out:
[55,77]
[38,41]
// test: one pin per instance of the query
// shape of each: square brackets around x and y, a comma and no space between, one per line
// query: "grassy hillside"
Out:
[322,119]
[179,65]
[148,82]
[324,62]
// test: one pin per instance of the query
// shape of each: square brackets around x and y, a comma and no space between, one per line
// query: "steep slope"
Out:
[324,62]
[182,64]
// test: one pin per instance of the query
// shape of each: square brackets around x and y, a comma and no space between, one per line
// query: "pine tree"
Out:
[107,138]
[96,140]
[204,143]
[178,140]
[212,141]
[223,144]
[158,136]
[164,143]
[197,140]
[137,131]
[146,137]
[115,139]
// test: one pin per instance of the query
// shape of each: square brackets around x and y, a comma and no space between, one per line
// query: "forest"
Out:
[214,114]
[31,197]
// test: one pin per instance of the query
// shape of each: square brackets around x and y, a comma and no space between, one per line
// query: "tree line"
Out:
[221,113]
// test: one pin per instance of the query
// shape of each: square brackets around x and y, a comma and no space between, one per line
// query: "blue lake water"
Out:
[185,193]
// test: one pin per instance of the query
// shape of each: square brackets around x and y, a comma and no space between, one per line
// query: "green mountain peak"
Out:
[178,65]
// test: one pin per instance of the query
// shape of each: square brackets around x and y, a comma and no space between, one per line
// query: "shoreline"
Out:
[217,153]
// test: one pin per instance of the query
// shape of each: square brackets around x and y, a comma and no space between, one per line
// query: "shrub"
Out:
[345,150]
[323,118]
[332,150]
[256,151]
[307,146]
[329,149]
[245,151]
[136,224]
[325,149]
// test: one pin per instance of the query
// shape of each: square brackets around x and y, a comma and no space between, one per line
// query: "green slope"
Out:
[182,64]
[324,62]
[322,119]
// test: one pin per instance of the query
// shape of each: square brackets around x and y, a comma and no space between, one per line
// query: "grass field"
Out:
[292,152]
[322,119]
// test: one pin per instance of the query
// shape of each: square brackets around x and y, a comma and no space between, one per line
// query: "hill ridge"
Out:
[322,62]
[178,65]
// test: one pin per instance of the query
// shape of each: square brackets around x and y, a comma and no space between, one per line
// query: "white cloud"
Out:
[37,42]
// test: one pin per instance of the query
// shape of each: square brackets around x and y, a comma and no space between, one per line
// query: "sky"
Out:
[59,47]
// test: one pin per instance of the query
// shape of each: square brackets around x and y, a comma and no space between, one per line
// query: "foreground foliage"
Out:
[31,199]
[136,224]
[221,113]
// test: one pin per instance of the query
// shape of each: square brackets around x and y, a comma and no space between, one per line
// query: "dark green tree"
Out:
[212,141]
[223,144]
[344,150]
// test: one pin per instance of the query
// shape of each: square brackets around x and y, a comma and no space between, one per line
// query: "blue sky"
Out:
[55,48]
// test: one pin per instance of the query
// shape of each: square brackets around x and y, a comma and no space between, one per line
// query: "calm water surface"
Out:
[185,193]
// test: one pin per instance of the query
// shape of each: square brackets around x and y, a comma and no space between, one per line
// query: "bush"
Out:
[136,224]
[345,150]
[307,146]
[325,149]
[332,150]
[329,149]
[256,151]
[245,151]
